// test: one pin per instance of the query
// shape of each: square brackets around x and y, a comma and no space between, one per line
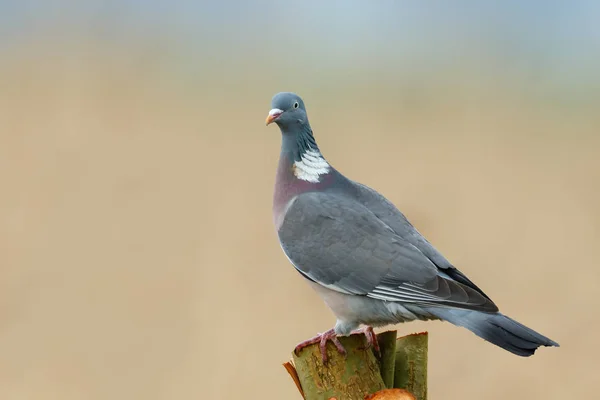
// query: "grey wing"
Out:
[340,244]
[391,216]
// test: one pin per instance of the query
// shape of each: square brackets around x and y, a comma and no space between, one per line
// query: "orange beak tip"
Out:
[273,115]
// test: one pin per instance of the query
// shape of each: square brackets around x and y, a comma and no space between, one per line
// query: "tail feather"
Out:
[497,329]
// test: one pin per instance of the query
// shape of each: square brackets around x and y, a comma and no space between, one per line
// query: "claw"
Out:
[371,338]
[322,339]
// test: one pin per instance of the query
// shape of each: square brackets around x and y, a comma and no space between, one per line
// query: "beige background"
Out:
[137,254]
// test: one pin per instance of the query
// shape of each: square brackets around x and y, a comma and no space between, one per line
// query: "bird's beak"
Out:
[273,115]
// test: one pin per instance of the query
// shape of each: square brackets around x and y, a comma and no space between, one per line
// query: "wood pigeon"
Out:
[362,255]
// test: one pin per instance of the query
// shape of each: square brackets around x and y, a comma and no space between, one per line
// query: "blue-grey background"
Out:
[137,254]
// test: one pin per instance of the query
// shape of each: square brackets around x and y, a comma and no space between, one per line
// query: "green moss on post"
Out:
[411,364]
[344,378]
[387,347]
[403,362]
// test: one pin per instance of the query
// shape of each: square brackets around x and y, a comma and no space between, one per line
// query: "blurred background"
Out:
[137,254]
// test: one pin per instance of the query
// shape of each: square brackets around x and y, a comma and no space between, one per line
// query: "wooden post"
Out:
[411,364]
[361,373]
[387,360]
[351,377]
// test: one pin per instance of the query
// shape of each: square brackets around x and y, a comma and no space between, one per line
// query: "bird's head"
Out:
[287,110]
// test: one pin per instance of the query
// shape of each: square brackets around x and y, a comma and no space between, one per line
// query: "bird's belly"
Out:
[365,310]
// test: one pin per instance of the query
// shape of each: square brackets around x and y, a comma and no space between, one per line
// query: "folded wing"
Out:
[339,243]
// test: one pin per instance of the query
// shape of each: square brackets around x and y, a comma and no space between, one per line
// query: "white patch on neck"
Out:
[311,166]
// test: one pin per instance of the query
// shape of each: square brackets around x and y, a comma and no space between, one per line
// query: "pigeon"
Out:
[362,255]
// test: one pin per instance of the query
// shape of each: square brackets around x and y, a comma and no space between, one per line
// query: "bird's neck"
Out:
[301,169]
[299,148]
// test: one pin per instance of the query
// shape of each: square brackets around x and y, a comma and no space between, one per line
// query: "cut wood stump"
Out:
[402,366]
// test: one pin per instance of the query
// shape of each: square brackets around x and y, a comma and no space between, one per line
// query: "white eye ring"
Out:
[296,105]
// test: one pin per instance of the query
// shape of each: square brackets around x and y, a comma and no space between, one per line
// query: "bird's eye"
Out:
[296,105]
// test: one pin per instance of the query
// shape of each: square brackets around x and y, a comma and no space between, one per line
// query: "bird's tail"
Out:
[497,329]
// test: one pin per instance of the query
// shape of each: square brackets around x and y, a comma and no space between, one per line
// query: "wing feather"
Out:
[342,245]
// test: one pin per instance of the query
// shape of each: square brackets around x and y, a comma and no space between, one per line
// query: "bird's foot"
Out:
[371,338]
[322,339]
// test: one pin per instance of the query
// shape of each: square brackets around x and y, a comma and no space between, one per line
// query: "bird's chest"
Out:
[288,186]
